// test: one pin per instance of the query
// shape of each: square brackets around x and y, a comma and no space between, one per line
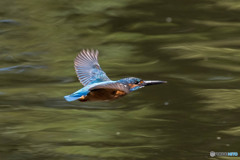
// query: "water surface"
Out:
[192,45]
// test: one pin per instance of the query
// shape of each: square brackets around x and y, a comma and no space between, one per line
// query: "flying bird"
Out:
[97,85]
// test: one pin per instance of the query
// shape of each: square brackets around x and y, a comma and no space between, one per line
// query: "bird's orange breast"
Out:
[102,94]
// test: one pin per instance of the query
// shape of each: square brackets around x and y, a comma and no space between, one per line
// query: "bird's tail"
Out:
[76,95]
[71,98]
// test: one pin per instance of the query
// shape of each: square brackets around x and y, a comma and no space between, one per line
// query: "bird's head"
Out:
[137,83]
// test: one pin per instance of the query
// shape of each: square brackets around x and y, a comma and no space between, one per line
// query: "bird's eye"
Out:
[136,82]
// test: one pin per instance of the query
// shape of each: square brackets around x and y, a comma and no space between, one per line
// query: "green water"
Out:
[194,45]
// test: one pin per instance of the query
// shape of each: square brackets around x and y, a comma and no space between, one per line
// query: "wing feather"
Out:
[88,69]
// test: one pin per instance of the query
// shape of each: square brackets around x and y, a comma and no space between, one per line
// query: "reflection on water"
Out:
[193,46]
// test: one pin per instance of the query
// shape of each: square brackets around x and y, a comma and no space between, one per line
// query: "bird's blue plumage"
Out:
[76,95]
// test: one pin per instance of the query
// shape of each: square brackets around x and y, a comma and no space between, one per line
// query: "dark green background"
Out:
[193,44]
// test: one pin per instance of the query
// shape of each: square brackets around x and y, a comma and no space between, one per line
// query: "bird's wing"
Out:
[115,86]
[88,69]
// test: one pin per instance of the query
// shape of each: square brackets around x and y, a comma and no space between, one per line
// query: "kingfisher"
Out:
[97,85]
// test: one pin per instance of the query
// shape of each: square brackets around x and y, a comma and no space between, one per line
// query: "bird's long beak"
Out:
[148,83]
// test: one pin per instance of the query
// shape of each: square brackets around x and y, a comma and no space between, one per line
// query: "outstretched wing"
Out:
[114,86]
[88,69]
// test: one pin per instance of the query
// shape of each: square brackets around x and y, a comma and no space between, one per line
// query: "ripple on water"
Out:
[220,78]
[20,68]
[235,131]
[8,21]
[7,57]
[220,99]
